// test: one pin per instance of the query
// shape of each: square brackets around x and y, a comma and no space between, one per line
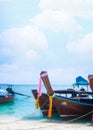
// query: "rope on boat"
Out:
[78,117]
[33,113]
[49,126]
[44,127]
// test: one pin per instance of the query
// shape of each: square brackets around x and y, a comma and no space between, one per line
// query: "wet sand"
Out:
[44,125]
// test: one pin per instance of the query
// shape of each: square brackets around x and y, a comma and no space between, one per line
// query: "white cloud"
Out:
[20,50]
[82,47]
[21,47]
[8,68]
[61,75]
[81,8]
[25,37]
[56,20]
[23,42]
[13,74]
[32,55]
[61,15]
[67,75]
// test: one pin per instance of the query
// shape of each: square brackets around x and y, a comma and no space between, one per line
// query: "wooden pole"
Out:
[46,82]
[90,78]
[49,89]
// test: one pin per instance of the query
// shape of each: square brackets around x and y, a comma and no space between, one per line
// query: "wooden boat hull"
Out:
[65,107]
[44,103]
[72,108]
[5,99]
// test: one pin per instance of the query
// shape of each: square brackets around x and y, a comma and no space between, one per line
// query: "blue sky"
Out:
[51,35]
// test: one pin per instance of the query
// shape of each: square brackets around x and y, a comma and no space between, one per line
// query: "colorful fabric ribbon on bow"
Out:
[92,117]
[39,93]
[50,106]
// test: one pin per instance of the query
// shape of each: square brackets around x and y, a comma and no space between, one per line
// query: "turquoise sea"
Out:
[23,108]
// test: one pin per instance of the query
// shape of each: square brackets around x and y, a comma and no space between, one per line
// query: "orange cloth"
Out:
[50,107]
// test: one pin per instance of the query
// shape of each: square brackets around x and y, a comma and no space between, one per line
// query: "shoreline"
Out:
[44,125]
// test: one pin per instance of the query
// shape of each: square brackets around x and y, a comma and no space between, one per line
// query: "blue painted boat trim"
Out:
[71,100]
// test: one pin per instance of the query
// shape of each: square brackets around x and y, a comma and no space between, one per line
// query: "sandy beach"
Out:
[43,125]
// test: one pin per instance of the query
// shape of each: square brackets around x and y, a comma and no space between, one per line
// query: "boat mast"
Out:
[90,78]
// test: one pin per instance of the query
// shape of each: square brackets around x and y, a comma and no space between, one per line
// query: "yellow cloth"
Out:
[37,103]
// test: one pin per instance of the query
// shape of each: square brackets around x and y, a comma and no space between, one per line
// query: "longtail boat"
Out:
[5,99]
[6,95]
[67,103]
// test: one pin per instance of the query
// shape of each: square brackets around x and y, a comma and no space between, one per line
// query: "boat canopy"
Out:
[80,81]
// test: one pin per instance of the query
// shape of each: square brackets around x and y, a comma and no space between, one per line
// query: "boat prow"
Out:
[90,78]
